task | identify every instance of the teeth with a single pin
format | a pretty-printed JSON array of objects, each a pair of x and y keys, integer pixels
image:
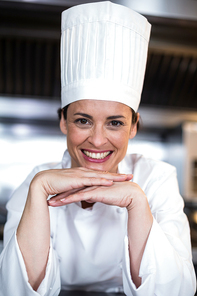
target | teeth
[{"x": 96, "y": 155}]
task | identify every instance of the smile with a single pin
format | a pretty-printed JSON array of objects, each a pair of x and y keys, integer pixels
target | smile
[{"x": 94, "y": 155}]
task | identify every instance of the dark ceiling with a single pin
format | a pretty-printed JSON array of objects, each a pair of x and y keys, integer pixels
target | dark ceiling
[{"x": 29, "y": 56}]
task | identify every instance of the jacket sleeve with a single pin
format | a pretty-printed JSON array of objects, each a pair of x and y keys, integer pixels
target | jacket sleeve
[
  {"x": 166, "y": 266},
  {"x": 13, "y": 275}
]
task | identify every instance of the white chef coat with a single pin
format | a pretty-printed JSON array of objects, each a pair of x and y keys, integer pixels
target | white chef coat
[{"x": 89, "y": 248}]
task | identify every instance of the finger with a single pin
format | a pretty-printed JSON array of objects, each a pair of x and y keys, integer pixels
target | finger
[
  {"x": 93, "y": 194},
  {"x": 63, "y": 194},
  {"x": 129, "y": 177},
  {"x": 110, "y": 176},
  {"x": 62, "y": 199},
  {"x": 103, "y": 174},
  {"x": 72, "y": 183},
  {"x": 92, "y": 181},
  {"x": 114, "y": 195},
  {"x": 106, "y": 173}
]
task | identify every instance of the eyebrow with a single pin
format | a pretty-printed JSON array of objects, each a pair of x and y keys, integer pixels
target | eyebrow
[
  {"x": 84, "y": 115},
  {"x": 90, "y": 117},
  {"x": 115, "y": 117}
]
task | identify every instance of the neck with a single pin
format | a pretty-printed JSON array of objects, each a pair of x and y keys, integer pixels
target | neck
[{"x": 85, "y": 204}]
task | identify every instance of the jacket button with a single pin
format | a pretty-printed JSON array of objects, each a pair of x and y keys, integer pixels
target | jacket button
[{"x": 120, "y": 210}]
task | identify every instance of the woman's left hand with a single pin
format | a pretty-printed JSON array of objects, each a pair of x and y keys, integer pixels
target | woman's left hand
[{"x": 118, "y": 194}]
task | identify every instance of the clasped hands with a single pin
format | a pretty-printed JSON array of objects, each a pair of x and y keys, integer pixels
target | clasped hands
[{"x": 81, "y": 184}]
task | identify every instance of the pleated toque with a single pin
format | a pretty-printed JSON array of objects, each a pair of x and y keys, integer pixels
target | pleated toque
[{"x": 103, "y": 53}]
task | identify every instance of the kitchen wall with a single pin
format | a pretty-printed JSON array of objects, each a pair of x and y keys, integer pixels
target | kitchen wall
[{"x": 30, "y": 91}]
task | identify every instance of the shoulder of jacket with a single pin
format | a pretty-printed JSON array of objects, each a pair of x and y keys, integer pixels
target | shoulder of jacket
[
  {"x": 154, "y": 164},
  {"x": 48, "y": 166},
  {"x": 140, "y": 161},
  {"x": 156, "y": 174},
  {"x": 147, "y": 170}
]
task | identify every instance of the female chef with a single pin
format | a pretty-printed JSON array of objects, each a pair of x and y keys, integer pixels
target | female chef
[{"x": 101, "y": 220}]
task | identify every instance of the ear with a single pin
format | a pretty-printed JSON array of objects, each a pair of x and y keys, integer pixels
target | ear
[
  {"x": 63, "y": 125},
  {"x": 133, "y": 130}
]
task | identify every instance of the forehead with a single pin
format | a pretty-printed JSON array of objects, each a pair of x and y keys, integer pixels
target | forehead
[{"x": 98, "y": 106}]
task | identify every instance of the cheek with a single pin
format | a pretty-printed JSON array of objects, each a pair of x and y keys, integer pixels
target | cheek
[
  {"x": 76, "y": 136},
  {"x": 120, "y": 139}
]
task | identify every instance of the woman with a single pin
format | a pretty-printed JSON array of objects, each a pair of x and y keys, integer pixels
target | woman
[{"x": 101, "y": 220}]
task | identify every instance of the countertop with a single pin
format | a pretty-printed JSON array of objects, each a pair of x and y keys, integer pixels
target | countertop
[{"x": 84, "y": 293}]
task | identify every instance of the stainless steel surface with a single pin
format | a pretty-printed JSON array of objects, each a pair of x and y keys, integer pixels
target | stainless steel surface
[
  {"x": 1, "y": 246},
  {"x": 29, "y": 108},
  {"x": 32, "y": 109},
  {"x": 184, "y": 9}
]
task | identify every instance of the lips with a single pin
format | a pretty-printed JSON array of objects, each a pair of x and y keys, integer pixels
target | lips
[{"x": 94, "y": 156}]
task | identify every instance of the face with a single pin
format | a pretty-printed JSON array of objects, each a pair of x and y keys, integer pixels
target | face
[{"x": 98, "y": 133}]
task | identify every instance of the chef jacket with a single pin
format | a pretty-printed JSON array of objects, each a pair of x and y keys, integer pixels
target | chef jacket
[{"x": 89, "y": 247}]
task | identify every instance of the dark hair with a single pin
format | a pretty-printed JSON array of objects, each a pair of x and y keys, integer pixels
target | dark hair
[{"x": 59, "y": 111}]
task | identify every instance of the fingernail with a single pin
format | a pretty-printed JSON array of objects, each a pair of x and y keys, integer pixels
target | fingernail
[{"x": 51, "y": 201}]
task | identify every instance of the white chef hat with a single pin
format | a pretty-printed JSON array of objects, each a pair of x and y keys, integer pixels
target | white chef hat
[{"x": 103, "y": 53}]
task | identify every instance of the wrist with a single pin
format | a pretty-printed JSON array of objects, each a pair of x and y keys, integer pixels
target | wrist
[
  {"x": 37, "y": 187},
  {"x": 138, "y": 202}
]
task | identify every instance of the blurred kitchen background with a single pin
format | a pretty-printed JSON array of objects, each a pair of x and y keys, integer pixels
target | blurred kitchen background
[{"x": 30, "y": 92}]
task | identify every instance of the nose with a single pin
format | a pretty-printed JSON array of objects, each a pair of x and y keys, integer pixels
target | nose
[{"x": 98, "y": 136}]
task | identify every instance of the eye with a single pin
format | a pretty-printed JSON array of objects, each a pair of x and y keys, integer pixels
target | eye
[
  {"x": 82, "y": 121},
  {"x": 116, "y": 123}
]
